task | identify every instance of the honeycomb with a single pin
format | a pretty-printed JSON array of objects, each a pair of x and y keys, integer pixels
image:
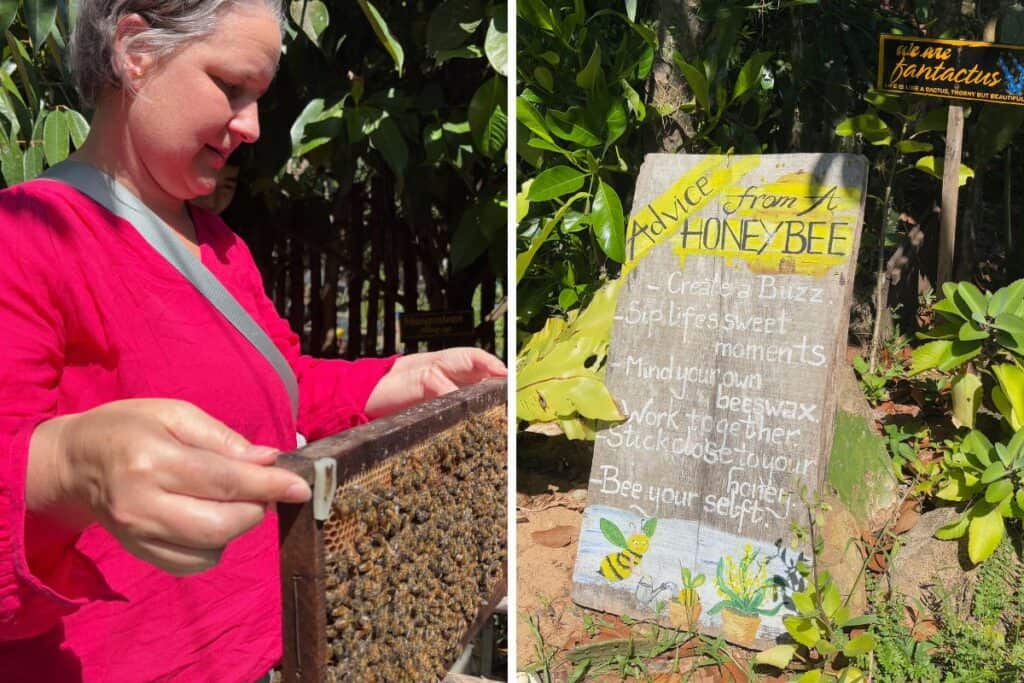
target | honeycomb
[{"x": 414, "y": 548}]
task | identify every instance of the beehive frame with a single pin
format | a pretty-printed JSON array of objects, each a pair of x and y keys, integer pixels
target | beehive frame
[{"x": 365, "y": 453}]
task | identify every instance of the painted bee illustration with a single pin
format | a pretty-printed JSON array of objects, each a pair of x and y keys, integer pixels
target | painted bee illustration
[{"x": 619, "y": 565}]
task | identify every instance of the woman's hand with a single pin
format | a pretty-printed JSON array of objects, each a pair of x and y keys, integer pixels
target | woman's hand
[
  {"x": 421, "y": 376},
  {"x": 171, "y": 483}
]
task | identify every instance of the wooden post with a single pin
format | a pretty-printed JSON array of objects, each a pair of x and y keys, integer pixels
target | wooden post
[{"x": 950, "y": 192}]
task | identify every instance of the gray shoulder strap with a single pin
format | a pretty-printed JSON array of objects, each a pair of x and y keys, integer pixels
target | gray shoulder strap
[{"x": 117, "y": 199}]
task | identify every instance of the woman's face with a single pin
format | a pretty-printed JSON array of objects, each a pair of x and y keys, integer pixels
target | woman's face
[{"x": 194, "y": 108}]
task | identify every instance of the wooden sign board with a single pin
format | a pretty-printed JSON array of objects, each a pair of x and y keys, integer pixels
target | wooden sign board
[
  {"x": 731, "y": 314},
  {"x": 951, "y": 69},
  {"x": 436, "y": 325}
]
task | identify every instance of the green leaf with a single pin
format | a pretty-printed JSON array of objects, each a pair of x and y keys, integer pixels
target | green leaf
[
  {"x": 78, "y": 127},
  {"x": 39, "y": 18},
  {"x": 966, "y": 395},
  {"x": 1011, "y": 381},
  {"x": 933, "y": 166},
  {"x": 804, "y": 630},
  {"x": 387, "y": 139},
  {"x": 528, "y": 115},
  {"x": 930, "y": 355},
  {"x": 984, "y": 535},
  {"x": 804, "y": 603},
  {"x": 579, "y": 671},
  {"x": 631, "y": 9},
  {"x": 750, "y": 74},
  {"x": 311, "y": 112},
  {"x": 948, "y": 309},
  {"x": 11, "y": 164},
  {"x": 874, "y": 129},
  {"x": 886, "y": 102},
  {"x": 860, "y": 645},
  {"x": 612, "y": 532},
  {"x": 55, "y": 137},
  {"x": 312, "y": 17},
  {"x": 380, "y": 27},
  {"x": 569, "y": 126},
  {"x": 812, "y": 676},
  {"x": 496, "y": 41},
  {"x": 996, "y": 470},
  {"x": 861, "y": 620},
  {"x": 1008, "y": 322},
  {"x": 453, "y": 24},
  {"x": 488, "y": 122},
  {"x": 697, "y": 81},
  {"x": 998, "y": 491},
  {"x": 977, "y": 445},
  {"x": 477, "y": 229},
  {"x": 953, "y": 530},
  {"x": 971, "y": 331},
  {"x": 913, "y": 146},
  {"x": 607, "y": 221},
  {"x": 974, "y": 298},
  {"x": 543, "y": 76},
  {"x": 32, "y": 161},
  {"x": 933, "y": 122},
  {"x": 556, "y": 182},
  {"x": 523, "y": 260},
  {"x": 615, "y": 121},
  {"x": 1009, "y": 299},
  {"x": 959, "y": 353},
  {"x": 779, "y": 656},
  {"x": 588, "y": 77},
  {"x": 8, "y": 10}
]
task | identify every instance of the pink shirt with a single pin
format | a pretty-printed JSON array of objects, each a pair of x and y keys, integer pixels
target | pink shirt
[{"x": 90, "y": 313}]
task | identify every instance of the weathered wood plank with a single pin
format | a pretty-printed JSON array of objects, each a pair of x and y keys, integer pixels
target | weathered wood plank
[{"x": 725, "y": 337}]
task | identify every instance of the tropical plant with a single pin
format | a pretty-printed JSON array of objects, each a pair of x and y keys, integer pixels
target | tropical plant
[
  {"x": 819, "y": 629},
  {"x": 745, "y": 585},
  {"x": 980, "y": 333},
  {"x": 581, "y": 64},
  {"x": 989, "y": 478}
]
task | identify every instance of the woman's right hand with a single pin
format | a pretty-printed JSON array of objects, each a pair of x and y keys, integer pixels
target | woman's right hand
[{"x": 171, "y": 483}]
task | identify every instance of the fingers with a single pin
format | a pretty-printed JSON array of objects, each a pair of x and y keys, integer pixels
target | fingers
[
  {"x": 193, "y": 523},
  {"x": 200, "y": 474},
  {"x": 468, "y": 365},
  {"x": 173, "y": 559},
  {"x": 435, "y": 382},
  {"x": 194, "y": 427}
]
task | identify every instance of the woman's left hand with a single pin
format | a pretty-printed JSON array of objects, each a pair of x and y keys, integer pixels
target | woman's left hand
[{"x": 421, "y": 376}]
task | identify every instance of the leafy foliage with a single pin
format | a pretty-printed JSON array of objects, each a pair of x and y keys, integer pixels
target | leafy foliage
[
  {"x": 580, "y": 64},
  {"x": 819, "y": 631}
]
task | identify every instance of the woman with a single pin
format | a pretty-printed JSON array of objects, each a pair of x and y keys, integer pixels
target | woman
[{"x": 137, "y": 427}]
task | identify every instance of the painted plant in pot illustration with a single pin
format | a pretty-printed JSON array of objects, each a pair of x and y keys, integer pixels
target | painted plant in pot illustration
[
  {"x": 745, "y": 589},
  {"x": 684, "y": 611}
]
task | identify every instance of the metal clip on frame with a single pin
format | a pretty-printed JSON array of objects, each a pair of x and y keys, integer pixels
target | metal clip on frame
[{"x": 324, "y": 486}]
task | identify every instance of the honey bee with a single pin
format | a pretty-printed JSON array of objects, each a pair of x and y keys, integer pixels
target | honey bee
[{"x": 617, "y": 566}]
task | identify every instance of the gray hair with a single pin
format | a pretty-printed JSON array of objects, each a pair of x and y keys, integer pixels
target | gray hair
[{"x": 172, "y": 25}]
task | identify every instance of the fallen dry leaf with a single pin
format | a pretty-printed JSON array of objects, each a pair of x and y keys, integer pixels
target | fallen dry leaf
[
  {"x": 555, "y": 537},
  {"x": 907, "y": 519}
]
